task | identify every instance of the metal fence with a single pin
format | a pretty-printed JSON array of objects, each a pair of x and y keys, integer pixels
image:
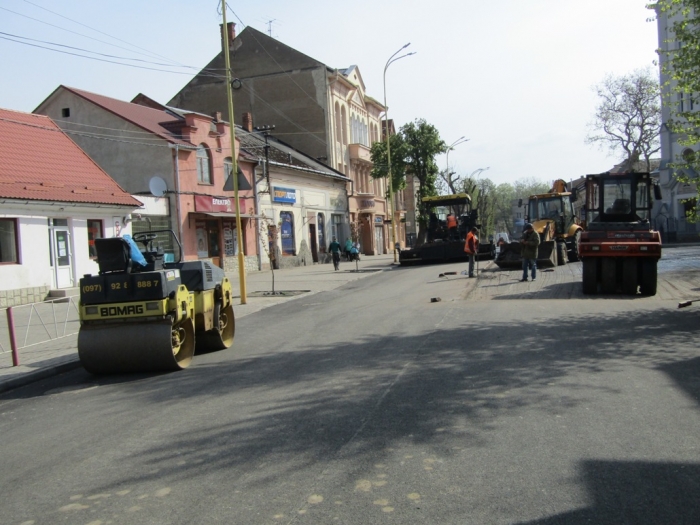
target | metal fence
[
  {"x": 35, "y": 324},
  {"x": 674, "y": 230}
]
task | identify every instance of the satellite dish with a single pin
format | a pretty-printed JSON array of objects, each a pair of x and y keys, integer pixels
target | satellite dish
[{"x": 157, "y": 186}]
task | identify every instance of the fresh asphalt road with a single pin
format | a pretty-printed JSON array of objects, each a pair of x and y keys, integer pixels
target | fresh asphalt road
[{"x": 369, "y": 404}]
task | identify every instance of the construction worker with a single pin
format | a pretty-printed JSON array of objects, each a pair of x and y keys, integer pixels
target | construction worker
[
  {"x": 452, "y": 233},
  {"x": 471, "y": 248}
]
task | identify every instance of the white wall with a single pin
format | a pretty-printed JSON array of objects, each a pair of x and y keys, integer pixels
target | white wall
[{"x": 33, "y": 239}]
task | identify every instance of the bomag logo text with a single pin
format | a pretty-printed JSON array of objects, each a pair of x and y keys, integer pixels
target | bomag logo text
[{"x": 112, "y": 311}]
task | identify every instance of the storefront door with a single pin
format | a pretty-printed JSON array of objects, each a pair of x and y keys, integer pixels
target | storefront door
[
  {"x": 61, "y": 257},
  {"x": 379, "y": 239}
]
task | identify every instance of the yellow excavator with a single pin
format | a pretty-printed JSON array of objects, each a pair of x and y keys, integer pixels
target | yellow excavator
[
  {"x": 552, "y": 216},
  {"x": 142, "y": 314}
]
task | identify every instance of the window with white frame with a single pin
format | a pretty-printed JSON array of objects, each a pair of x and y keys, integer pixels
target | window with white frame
[{"x": 203, "y": 165}]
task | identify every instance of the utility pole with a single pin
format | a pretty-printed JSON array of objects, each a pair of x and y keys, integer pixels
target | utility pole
[{"x": 234, "y": 160}]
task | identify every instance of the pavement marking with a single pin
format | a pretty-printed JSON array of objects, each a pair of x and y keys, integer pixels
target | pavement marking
[
  {"x": 315, "y": 499},
  {"x": 381, "y": 502},
  {"x": 363, "y": 485},
  {"x": 163, "y": 492},
  {"x": 98, "y": 496},
  {"x": 388, "y": 509},
  {"x": 413, "y": 496},
  {"x": 73, "y": 506}
]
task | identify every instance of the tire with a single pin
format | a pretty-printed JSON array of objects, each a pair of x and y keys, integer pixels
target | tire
[
  {"x": 608, "y": 275},
  {"x": 573, "y": 253},
  {"x": 590, "y": 276},
  {"x": 630, "y": 276},
  {"x": 561, "y": 253},
  {"x": 648, "y": 278}
]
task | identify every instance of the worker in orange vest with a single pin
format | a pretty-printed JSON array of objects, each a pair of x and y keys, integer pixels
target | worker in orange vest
[
  {"x": 471, "y": 248},
  {"x": 452, "y": 233}
]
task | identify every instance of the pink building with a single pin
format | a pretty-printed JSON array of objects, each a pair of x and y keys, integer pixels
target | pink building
[{"x": 176, "y": 161}]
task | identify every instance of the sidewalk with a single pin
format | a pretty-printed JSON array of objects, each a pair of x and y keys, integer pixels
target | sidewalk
[{"x": 60, "y": 355}]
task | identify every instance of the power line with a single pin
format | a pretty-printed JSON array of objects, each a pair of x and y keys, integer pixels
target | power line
[
  {"x": 93, "y": 52},
  {"x": 103, "y": 33}
]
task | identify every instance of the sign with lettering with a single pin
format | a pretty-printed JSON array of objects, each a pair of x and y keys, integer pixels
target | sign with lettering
[
  {"x": 367, "y": 203},
  {"x": 207, "y": 203},
  {"x": 287, "y": 195}
]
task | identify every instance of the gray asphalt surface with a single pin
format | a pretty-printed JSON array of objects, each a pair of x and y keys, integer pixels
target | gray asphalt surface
[{"x": 369, "y": 404}]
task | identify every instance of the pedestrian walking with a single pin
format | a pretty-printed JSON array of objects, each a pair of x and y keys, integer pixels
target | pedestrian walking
[
  {"x": 471, "y": 248},
  {"x": 334, "y": 248},
  {"x": 530, "y": 242},
  {"x": 348, "y": 249}
]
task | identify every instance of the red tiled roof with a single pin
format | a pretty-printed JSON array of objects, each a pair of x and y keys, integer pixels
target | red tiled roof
[
  {"x": 40, "y": 162},
  {"x": 157, "y": 121}
]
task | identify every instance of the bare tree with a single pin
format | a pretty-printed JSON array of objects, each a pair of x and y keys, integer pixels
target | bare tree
[{"x": 628, "y": 115}]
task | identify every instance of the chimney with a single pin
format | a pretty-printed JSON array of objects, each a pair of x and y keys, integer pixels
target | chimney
[
  {"x": 216, "y": 116},
  {"x": 231, "y": 27},
  {"x": 248, "y": 122}
]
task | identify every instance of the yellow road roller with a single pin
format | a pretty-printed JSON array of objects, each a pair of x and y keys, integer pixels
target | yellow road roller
[{"x": 147, "y": 310}]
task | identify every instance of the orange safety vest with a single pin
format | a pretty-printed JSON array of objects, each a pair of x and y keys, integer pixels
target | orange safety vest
[
  {"x": 451, "y": 221},
  {"x": 471, "y": 244}
]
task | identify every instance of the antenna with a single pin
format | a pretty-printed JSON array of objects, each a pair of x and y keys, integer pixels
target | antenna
[
  {"x": 157, "y": 186},
  {"x": 269, "y": 26}
]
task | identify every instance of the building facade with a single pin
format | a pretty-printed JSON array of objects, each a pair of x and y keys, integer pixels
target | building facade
[
  {"x": 179, "y": 161},
  {"x": 321, "y": 111},
  {"x": 302, "y": 203},
  {"x": 677, "y": 197}
]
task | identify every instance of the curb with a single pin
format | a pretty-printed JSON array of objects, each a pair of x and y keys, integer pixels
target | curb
[{"x": 37, "y": 375}]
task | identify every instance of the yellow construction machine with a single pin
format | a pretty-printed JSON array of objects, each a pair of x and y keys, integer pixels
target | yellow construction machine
[
  {"x": 552, "y": 216},
  {"x": 142, "y": 314}
]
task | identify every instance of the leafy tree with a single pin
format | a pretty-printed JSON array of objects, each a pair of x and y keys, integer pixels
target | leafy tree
[
  {"x": 680, "y": 64},
  {"x": 413, "y": 151},
  {"x": 628, "y": 115},
  {"x": 398, "y": 161},
  {"x": 423, "y": 143}
]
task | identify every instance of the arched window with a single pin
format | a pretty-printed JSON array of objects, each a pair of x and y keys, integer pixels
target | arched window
[
  {"x": 203, "y": 165},
  {"x": 338, "y": 133},
  {"x": 344, "y": 122}
]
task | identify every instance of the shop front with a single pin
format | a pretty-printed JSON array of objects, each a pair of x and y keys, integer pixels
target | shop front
[{"x": 213, "y": 234}]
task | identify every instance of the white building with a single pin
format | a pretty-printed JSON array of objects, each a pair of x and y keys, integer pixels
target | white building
[
  {"x": 676, "y": 196},
  {"x": 54, "y": 202}
]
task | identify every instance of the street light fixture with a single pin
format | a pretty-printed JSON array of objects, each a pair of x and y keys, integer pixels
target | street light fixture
[
  {"x": 478, "y": 172},
  {"x": 393, "y": 58},
  {"x": 460, "y": 140}
]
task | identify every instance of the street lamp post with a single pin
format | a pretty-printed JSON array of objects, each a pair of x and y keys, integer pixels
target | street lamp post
[
  {"x": 460, "y": 140},
  {"x": 392, "y": 58}
]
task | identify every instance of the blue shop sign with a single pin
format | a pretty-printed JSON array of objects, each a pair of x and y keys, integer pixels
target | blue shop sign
[{"x": 284, "y": 195}]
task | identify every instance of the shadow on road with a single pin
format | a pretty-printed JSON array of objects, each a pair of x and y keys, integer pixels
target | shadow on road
[
  {"x": 643, "y": 493},
  {"x": 353, "y": 400}
]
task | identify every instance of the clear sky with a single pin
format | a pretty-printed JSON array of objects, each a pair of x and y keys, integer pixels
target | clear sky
[{"x": 512, "y": 76}]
